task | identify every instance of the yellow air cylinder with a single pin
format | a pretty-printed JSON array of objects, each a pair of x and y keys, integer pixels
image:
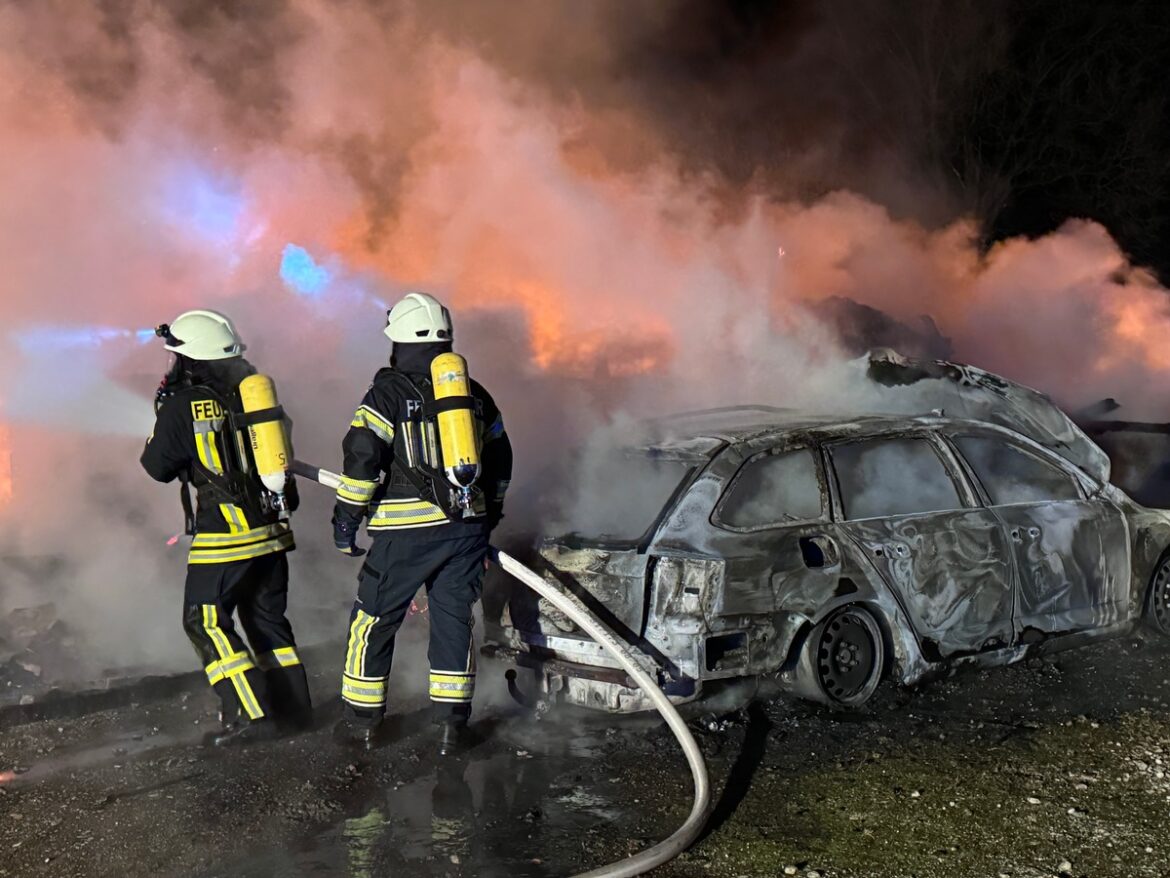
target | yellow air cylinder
[
  {"x": 458, "y": 439},
  {"x": 270, "y": 446}
]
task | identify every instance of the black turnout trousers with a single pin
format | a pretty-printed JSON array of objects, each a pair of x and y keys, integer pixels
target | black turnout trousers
[
  {"x": 268, "y": 680},
  {"x": 399, "y": 565}
]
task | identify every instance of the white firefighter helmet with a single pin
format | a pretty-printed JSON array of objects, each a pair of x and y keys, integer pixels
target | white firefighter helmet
[
  {"x": 418, "y": 318},
  {"x": 204, "y": 335}
]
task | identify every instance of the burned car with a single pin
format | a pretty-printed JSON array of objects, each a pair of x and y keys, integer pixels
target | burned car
[{"x": 829, "y": 553}]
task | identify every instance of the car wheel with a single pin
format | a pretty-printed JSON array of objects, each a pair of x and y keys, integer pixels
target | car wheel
[
  {"x": 849, "y": 656},
  {"x": 1158, "y": 598}
]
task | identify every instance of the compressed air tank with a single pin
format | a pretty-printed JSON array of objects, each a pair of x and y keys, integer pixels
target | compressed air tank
[
  {"x": 267, "y": 436},
  {"x": 458, "y": 439}
]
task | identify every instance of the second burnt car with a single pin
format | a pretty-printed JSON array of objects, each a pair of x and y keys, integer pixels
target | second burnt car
[{"x": 829, "y": 553}]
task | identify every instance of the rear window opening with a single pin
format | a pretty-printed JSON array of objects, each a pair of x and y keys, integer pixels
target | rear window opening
[{"x": 619, "y": 496}]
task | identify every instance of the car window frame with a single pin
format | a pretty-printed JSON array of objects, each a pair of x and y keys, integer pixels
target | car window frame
[
  {"x": 775, "y": 451},
  {"x": 1084, "y": 485},
  {"x": 954, "y": 467}
]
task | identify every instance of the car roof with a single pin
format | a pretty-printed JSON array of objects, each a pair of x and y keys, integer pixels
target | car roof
[{"x": 755, "y": 424}]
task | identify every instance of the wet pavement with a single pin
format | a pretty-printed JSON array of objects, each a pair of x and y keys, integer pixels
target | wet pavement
[{"x": 1018, "y": 771}]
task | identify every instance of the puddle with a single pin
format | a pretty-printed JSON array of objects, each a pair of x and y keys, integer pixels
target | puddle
[{"x": 503, "y": 814}]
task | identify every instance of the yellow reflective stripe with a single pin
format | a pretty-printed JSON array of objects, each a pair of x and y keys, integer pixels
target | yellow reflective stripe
[
  {"x": 359, "y": 639},
  {"x": 234, "y": 516},
  {"x": 208, "y": 452},
  {"x": 243, "y": 688},
  {"x": 224, "y": 541},
  {"x": 451, "y": 676},
  {"x": 364, "y": 646},
  {"x": 404, "y": 525},
  {"x": 218, "y": 638},
  {"x": 400, "y": 513},
  {"x": 451, "y": 686},
  {"x": 362, "y": 700},
  {"x": 199, "y": 555},
  {"x": 374, "y": 422},
  {"x": 352, "y": 639},
  {"x": 215, "y": 459},
  {"x": 356, "y": 491},
  {"x": 363, "y": 691},
  {"x": 214, "y": 674},
  {"x": 451, "y": 692},
  {"x": 236, "y": 663},
  {"x": 285, "y": 657}
]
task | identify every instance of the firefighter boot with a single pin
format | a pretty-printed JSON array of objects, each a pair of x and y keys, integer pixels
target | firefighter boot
[
  {"x": 451, "y": 737},
  {"x": 363, "y": 736},
  {"x": 241, "y": 731}
]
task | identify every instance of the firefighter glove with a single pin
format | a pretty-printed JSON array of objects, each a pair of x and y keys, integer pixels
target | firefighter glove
[{"x": 345, "y": 536}]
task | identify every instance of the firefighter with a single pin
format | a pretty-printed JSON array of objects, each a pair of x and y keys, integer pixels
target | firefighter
[
  {"x": 428, "y": 529},
  {"x": 241, "y": 536}
]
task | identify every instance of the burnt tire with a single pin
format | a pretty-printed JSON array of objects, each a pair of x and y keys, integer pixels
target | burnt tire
[
  {"x": 847, "y": 657},
  {"x": 1157, "y": 608}
]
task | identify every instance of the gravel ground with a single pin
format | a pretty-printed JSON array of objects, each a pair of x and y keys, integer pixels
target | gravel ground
[{"x": 1053, "y": 769}]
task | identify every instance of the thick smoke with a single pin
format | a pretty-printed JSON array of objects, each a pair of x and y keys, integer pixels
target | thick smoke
[{"x": 622, "y": 226}]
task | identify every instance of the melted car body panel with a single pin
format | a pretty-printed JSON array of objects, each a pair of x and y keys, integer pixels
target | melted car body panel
[{"x": 953, "y": 571}]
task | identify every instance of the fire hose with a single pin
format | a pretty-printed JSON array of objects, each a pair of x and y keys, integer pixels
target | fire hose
[{"x": 572, "y": 607}]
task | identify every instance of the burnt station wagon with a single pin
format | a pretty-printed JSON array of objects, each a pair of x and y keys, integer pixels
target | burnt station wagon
[{"x": 830, "y": 553}]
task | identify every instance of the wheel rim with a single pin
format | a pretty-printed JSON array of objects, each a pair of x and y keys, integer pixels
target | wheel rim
[
  {"x": 1160, "y": 597},
  {"x": 848, "y": 656}
]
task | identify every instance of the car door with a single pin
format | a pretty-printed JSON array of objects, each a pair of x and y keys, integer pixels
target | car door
[
  {"x": 903, "y": 500},
  {"x": 785, "y": 557},
  {"x": 1071, "y": 550}
]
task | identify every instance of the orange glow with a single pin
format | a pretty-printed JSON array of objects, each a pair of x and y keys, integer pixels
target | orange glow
[{"x": 1140, "y": 326}]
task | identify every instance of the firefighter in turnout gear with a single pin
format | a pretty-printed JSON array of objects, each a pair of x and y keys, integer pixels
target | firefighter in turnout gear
[
  {"x": 210, "y": 435},
  {"x": 428, "y": 462}
]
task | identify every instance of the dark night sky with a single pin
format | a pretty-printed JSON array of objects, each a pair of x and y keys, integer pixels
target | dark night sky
[{"x": 1024, "y": 113}]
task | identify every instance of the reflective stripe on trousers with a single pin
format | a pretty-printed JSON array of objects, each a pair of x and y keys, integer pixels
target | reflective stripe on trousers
[
  {"x": 285, "y": 657},
  {"x": 238, "y": 679},
  {"x": 457, "y": 686}
]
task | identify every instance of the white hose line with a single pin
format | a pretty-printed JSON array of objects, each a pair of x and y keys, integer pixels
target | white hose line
[{"x": 572, "y": 607}]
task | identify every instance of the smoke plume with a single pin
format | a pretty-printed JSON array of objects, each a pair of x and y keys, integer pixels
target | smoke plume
[{"x": 630, "y": 209}]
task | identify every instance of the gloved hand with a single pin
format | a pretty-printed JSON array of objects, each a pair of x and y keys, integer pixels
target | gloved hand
[
  {"x": 292, "y": 496},
  {"x": 345, "y": 535}
]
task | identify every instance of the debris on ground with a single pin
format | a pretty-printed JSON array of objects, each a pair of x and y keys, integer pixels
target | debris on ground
[{"x": 37, "y": 649}]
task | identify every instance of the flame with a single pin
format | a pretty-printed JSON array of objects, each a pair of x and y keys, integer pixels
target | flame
[{"x": 7, "y": 777}]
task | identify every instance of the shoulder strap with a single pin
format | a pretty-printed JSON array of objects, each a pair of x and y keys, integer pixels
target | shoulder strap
[
  {"x": 188, "y": 509},
  {"x": 227, "y": 486}
]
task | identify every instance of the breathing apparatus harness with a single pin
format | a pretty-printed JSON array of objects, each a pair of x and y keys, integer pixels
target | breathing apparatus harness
[
  {"x": 244, "y": 482},
  {"x": 440, "y": 465}
]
